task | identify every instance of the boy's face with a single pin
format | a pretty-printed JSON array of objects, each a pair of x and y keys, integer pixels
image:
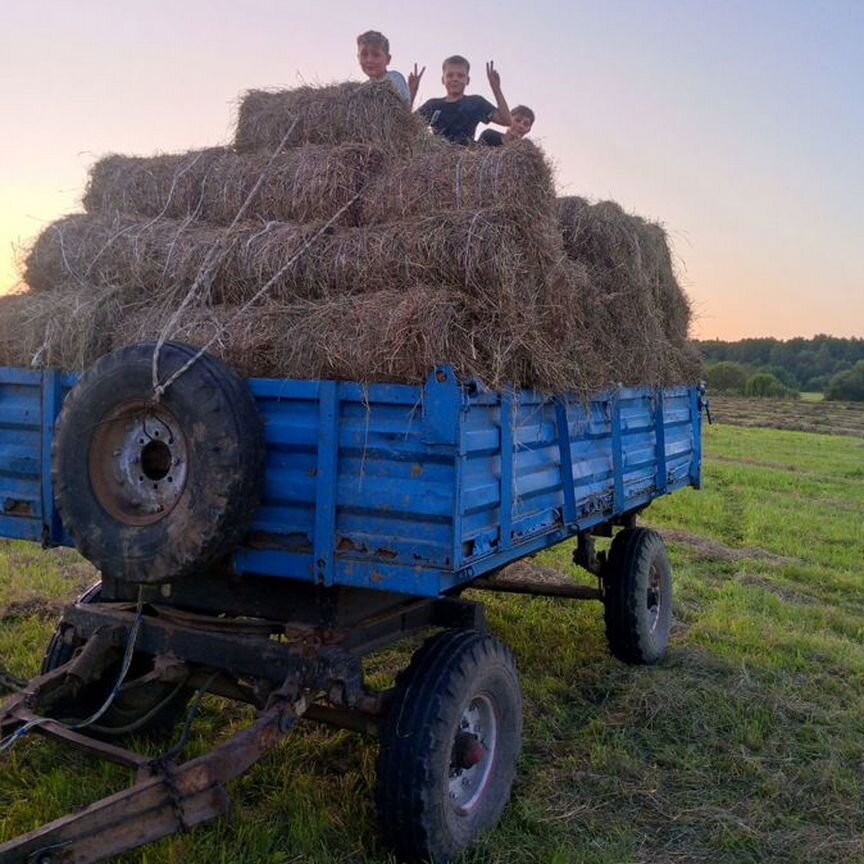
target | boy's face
[
  {"x": 455, "y": 79},
  {"x": 373, "y": 61},
  {"x": 520, "y": 125}
]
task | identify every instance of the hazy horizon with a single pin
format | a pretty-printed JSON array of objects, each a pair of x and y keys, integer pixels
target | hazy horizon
[{"x": 738, "y": 127}]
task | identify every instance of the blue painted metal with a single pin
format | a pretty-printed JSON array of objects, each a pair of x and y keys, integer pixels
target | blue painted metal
[
  {"x": 505, "y": 531},
  {"x": 410, "y": 489},
  {"x": 617, "y": 456},
  {"x": 326, "y": 483},
  {"x": 696, "y": 415},
  {"x": 565, "y": 457},
  {"x": 660, "y": 443},
  {"x": 52, "y": 399},
  {"x": 21, "y": 456}
]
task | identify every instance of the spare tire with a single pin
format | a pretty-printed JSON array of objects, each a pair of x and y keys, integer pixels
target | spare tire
[{"x": 152, "y": 490}]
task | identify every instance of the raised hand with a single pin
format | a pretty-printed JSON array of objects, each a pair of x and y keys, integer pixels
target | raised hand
[
  {"x": 493, "y": 76},
  {"x": 414, "y": 81}
]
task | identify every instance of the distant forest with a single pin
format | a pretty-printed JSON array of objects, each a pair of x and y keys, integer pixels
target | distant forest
[{"x": 800, "y": 364}]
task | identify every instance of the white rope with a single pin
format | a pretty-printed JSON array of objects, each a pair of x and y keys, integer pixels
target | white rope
[
  {"x": 159, "y": 389},
  {"x": 9, "y": 742},
  {"x": 212, "y": 262}
]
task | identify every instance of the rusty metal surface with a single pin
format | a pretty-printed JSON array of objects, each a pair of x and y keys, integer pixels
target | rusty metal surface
[
  {"x": 248, "y": 659},
  {"x": 138, "y": 462},
  {"x": 52, "y": 729},
  {"x": 539, "y": 588},
  {"x": 174, "y": 798}
]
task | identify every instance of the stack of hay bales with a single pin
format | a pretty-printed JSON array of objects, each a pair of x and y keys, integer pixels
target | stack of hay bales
[{"x": 429, "y": 254}]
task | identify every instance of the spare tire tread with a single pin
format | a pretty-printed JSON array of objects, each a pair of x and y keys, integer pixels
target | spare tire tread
[{"x": 219, "y": 418}]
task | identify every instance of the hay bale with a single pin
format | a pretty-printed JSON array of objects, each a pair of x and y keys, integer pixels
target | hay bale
[
  {"x": 387, "y": 336},
  {"x": 446, "y": 177},
  {"x": 382, "y": 336},
  {"x": 395, "y": 336},
  {"x": 140, "y": 259},
  {"x": 485, "y": 253},
  {"x": 642, "y": 315},
  {"x": 67, "y": 330},
  {"x": 506, "y": 304},
  {"x": 245, "y": 339},
  {"x": 304, "y": 184},
  {"x": 369, "y": 113}
]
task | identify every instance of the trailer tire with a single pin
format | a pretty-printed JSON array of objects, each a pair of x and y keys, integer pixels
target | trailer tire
[
  {"x": 130, "y": 709},
  {"x": 637, "y": 587},
  {"x": 156, "y": 489},
  {"x": 440, "y": 785}
]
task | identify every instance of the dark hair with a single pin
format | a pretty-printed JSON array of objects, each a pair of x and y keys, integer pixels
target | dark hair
[
  {"x": 375, "y": 39},
  {"x": 456, "y": 60},
  {"x": 524, "y": 110}
]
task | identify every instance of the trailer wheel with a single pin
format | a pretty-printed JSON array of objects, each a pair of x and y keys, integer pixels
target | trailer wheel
[
  {"x": 637, "y": 587},
  {"x": 153, "y": 708},
  {"x": 449, "y": 746},
  {"x": 152, "y": 490}
]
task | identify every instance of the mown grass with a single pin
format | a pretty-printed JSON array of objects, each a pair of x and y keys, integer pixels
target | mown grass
[
  {"x": 745, "y": 745},
  {"x": 800, "y": 415}
]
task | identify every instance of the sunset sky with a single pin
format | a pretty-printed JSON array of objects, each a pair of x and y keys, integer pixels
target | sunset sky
[{"x": 738, "y": 125}]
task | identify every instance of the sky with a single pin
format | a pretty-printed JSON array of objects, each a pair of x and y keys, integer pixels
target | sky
[{"x": 737, "y": 125}]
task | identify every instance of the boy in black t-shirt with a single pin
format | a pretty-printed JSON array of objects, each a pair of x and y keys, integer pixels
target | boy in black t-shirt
[
  {"x": 456, "y": 116},
  {"x": 522, "y": 119}
]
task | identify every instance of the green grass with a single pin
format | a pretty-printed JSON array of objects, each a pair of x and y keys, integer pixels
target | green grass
[
  {"x": 812, "y": 397},
  {"x": 745, "y": 745}
]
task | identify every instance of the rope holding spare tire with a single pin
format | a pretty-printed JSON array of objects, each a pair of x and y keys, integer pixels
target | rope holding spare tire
[
  {"x": 159, "y": 389},
  {"x": 152, "y": 491}
]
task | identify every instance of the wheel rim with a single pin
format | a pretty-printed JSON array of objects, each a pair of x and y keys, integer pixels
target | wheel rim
[
  {"x": 473, "y": 754},
  {"x": 654, "y": 597},
  {"x": 138, "y": 463}
]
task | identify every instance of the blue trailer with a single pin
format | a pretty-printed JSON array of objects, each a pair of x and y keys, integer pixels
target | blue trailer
[{"x": 256, "y": 539}]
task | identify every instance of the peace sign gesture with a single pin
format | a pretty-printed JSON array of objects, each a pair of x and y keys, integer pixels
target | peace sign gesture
[
  {"x": 414, "y": 82},
  {"x": 493, "y": 76}
]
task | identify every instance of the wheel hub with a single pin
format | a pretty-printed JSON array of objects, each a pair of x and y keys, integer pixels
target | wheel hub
[
  {"x": 468, "y": 750},
  {"x": 473, "y": 753},
  {"x": 138, "y": 463}
]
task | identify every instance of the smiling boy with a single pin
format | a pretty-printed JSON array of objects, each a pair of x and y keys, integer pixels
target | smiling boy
[
  {"x": 373, "y": 54},
  {"x": 522, "y": 119},
  {"x": 455, "y": 117}
]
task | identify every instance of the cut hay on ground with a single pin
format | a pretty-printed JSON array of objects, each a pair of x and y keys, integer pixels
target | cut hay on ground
[
  {"x": 303, "y": 184},
  {"x": 368, "y": 113},
  {"x": 444, "y": 177},
  {"x": 485, "y": 253}
]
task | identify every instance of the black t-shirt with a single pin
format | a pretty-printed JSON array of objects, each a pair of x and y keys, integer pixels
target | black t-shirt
[
  {"x": 492, "y": 138},
  {"x": 457, "y": 121}
]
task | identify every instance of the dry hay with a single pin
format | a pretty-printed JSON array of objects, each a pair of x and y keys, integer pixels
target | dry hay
[
  {"x": 519, "y": 311},
  {"x": 524, "y": 312},
  {"x": 458, "y": 257},
  {"x": 640, "y": 305},
  {"x": 313, "y": 182},
  {"x": 66, "y": 330},
  {"x": 387, "y": 335},
  {"x": 506, "y": 305},
  {"x": 484, "y": 253},
  {"x": 446, "y": 177},
  {"x": 303, "y": 184},
  {"x": 369, "y": 113}
]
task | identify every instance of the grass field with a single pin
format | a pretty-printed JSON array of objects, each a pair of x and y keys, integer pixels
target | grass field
[{"x": 745, "y": 745}]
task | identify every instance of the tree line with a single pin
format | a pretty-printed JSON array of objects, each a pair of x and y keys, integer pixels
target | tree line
[{"x": 826, "y": 364}]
